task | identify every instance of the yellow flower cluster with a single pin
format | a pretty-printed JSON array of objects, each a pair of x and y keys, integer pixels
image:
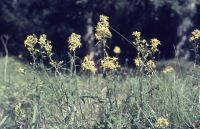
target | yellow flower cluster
[
  {"x": 88, "y": 64},
  {"x": 30, "y": 43},
  {"x": 195, "y": 35},
  {"x": 138, "y": 62},
  {"x": 141, "y": 44},
  {"x": 45, "y": 44},
  {"x": 154, "y": 44},
  {"x": 42, "y": 40},
  {"x": 151, "y": 64},
  {"x": 18, "y": 109},
  {"x": 39, "y": 46},
  {"x": 168, "y": 69},
  {"x": 74, "y": 41},
  {"x": 21, "y": 70},
  {"x": 137, "y": 35},
  {"x": 117, "y": 50},
  {"x": 110, "y": 63},
  {"x": 146, "y": 51},
  {"x": 102, "y": 29},
  {"x": 162, "y": 122}
]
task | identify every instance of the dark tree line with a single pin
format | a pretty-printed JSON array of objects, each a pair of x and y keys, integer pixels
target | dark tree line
[{"x": 168, "y": 20}]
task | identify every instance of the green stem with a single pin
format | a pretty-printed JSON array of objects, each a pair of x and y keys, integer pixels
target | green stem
[
  {"x": 141, "y": 96},
  {"x": 196, "y": 47},
  {"x": 123, "y": 37},
  {"x": 35, "y": 110},
  {"x": 74, "y": 61},
  {"x": 71, "y": 66},
  {"x": 2, "y": 122},
  {"x": 105, "y": 54},
  {"x": 34, "y": 59},
  {"x": 104, "y": 48}
]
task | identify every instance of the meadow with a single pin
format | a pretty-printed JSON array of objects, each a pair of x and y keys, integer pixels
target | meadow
[
  {"x": 38, "y": 99},
  {"x": 153, "y": 95}
]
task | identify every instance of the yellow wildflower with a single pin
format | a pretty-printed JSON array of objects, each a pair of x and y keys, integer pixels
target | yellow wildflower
[
  {"x": 102, "y": 29},
  {"x": 103, "y": 18},
  {"x": 151, "y": 64},
  {"x": 30, "y": 40},
  {"x": 117, "y": 50},
  {"x": 162, "y": 122},
  {"x": 88, "y": 64},
  {"x": 168, "y": 69},
  {"x": 48, "y": 48},
  {"x": 138, "y": 62},
  {"x": 145, "y": 53},
  {"x": 110, "y": 63},
  {"x": 154, "y": 43},
  {"x": 18, "y": 109},
  {"x": 74, "y": 42},
  {"x": 45, "y": 44},
  {"x": 30, "y": 43},
  {"x": 195, "y": 35},
  {"x": 42, "y": 40},
  {"x": 137, "y": 35},
  {"x": 21, "y": 70}
]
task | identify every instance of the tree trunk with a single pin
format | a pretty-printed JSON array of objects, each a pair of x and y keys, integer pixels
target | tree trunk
[
  {"x": 89, "y": 36},
  {"x": 93, "y": 50},
  {"x": 183, "y": 29}
]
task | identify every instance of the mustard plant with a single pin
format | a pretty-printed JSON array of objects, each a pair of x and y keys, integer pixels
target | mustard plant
[
  {"x": 146, "y": 52},
  {"x": 74, "y": 43},
  {"x": 30, "y": 43},
  {"x": 88, "y": 64},
  {"x": 102, "y": 34},
  {"x": 110, "y": 63},
  {"x": 41, "y": 47},
  {"x": 46, "y": 52},
  {"x": 146, "y": 63},
  {"x": 102, "y": 29},
  {"x": 194, "y": 39},
  {"x": 162, "y": 122}
]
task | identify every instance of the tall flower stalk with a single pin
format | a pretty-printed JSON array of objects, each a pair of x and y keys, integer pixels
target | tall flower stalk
[
  {"x": 145, "y": 61},
  {"x": 30, "y": 43},
  {"x": 195, "y": 40},
  {"x": 146, "y": 52},
  {"x": 74, "y": 43},
  {"x": 89, "y": 65},
  {"x": 41, "y": 47},
  {"x": 102, "y": 34}
]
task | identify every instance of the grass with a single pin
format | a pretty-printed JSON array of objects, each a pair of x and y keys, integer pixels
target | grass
[{"x": 84, "y": 101}]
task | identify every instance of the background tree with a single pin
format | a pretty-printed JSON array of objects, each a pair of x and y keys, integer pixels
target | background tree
[{"x": 169, "y": 20}]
